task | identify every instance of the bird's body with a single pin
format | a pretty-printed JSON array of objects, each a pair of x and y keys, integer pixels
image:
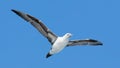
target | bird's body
[{"x": 58, "y": 43}]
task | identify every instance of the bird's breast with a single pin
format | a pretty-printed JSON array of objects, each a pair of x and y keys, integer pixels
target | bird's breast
[{"x": 59, "y": 45}]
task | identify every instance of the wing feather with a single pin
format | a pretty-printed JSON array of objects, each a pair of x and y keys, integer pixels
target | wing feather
[
  {"x": 38, "y": 25},
  {"x": 84, "y": 42}
]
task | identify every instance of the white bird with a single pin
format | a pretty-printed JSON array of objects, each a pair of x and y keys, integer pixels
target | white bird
[{"x": 58, "y": 43}]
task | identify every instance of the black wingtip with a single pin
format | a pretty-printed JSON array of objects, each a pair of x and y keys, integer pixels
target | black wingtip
[
  {"x": 101, "y": 44},
  {"x": 98, "y": 42},
  {"x": 48, "y": 55},
  {"x": 14, "y": 11}
]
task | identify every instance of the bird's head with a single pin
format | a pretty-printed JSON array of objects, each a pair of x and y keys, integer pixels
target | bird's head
[{"x": 68, "y": 35}]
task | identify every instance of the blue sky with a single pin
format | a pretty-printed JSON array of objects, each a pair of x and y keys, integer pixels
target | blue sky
[{"x": 22, "y": 46}]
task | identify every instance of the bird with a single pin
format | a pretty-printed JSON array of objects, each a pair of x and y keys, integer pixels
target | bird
[{"x": 58, "y": 42}]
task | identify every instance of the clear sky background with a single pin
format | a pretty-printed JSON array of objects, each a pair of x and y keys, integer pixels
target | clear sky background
[{"x": 22, "y": 46}]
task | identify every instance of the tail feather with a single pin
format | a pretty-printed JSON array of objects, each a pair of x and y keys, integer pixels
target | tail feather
[{"x": 48, "y": 55}]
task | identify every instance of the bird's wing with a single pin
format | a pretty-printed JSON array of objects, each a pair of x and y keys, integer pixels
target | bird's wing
[
  {"x": 38, "y": 25},
  {"x": 84, "y": 42}
]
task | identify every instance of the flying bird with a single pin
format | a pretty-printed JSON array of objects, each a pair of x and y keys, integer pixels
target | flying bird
[{"x": 58, "y": 43}]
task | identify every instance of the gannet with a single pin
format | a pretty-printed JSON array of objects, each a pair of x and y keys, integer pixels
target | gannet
[{"x": 58, "y": 43}]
